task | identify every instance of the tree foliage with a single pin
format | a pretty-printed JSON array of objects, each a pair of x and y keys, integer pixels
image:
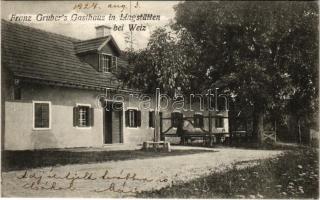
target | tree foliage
[
  {"x": 264, "y": 53},
  {"x": 166, "y": 63}
]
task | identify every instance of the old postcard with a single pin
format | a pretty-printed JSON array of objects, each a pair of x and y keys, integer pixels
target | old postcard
[{"x": 160, "y": 99}]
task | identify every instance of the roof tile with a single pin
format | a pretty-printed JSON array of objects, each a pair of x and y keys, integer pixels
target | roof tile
[{"x": 37, "y": 54}]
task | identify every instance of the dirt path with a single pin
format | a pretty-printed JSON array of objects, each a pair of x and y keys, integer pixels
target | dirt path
[{"x": 122, "y": 178}]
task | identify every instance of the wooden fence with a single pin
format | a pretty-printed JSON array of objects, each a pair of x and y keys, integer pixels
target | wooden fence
[{"x": 177, "y": 121}]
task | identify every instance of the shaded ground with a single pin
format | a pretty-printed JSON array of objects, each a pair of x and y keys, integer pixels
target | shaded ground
[
  {"x": 292, "y": 175},
  {"x": 18, "y": 160},
  {"x": 125, "y": 178}
]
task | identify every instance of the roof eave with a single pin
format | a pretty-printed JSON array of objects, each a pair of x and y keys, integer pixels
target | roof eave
[{"x": 107, "y": 41}]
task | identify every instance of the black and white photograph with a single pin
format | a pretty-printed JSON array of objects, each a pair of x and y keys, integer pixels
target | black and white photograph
[{"x": 160, "y": 99}]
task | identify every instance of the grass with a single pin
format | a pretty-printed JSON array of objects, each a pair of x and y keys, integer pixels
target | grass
[
  {"x": 21, "y": 160},
  {"x": 292, "y": 175}
]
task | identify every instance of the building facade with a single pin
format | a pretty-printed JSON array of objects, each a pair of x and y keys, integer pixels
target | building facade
[{"x": 54, "y": 89}]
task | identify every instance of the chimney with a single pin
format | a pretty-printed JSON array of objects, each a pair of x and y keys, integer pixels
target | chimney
[{"x": 102, "y": 31}]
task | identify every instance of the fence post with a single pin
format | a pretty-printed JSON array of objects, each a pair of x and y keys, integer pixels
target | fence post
[
  {"x": 156, "y": 113},
  {"x": 299, "y": 131},
  {"x": 161, "y": 131},
  {"x": 210, "y": 131},
  {"x": 275, "y": 131},
  {"x": 247, "y": 137}
]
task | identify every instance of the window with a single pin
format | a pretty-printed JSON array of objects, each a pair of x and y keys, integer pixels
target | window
[
  {"x": 114, "y": 62},
  {"x": 107, "y": 62},
  {"x": 41, "y": 115},
  {"x": 219, "y": 122},
  {"x": 222, "y": 104},
  {"x": 198, "y": 120},
  {"x": 151, "y": 118},
  {"x": 82, "y": 116},
  {"x": 133, "y": 118},
  {"x": 176, "y": 119}
]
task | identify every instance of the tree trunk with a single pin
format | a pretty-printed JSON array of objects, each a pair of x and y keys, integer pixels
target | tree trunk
[
  {"x": 299, "y": 131},
  {"x": 258, "y": 126}
]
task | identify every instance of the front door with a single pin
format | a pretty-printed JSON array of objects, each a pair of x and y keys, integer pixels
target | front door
[{"x": 113, "y": 123}]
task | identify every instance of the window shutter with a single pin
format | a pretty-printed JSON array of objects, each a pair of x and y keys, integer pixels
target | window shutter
[
  {"x": 221, "y": 122},
  {"x": 201, "y": 121},
  {"x": 113, "y": 62},
  {"x": 91, "y": 116},
  {"x": 127, "y": 118},
  {"x": 180, "y": 118},
  {"x": 195, "y": 121},
  {"x": 75, "y": 116},
  {"x": 198, "y": 121},
  {"x": 116, "y": 63},
  {"x": 138, "y": 118},
  {"x": 173, "y": 119},
  {"x": 99, "y": 63},
  {"x": 176, "y": 119},
  {"x": 151, "y": 118}
]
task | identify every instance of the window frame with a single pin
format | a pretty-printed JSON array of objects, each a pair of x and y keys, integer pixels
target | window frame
[
  {"x": 114, "y": 61},
  {"x": 33, "y": 116},
  {"x": 84, "y": 105},
  {"x": 134, "y": 120},
  {"x": 138, "y": 119},
  {"x": 219, "y": 118},
  {"x": 110, "y": 62},
  {"x": 194, "y": 120},
  {"x": 173, "y": 120}
]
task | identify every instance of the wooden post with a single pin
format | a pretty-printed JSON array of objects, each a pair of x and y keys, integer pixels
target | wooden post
[
  {"x": 216, "y": 99},
  {"x": 156, "y": 113},
  {"x": 246, "y": 127},
  {"x": 275, "y": 131},
  {"x": 161, "y": 127},
  {"x": 261, "y": 129},
  {"x": 210, "y": 131},
  {"x": 299, "y": 129}
]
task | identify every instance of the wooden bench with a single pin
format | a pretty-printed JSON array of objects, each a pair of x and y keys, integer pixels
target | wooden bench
[
  {"x": 208, "y": 139},
  {"x": 157, "y": 145}
]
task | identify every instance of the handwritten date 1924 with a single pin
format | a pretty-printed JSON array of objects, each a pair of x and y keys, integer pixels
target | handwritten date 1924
[
  {"x": 93, "y": 6},
  {"x": 85, "y": 6}
]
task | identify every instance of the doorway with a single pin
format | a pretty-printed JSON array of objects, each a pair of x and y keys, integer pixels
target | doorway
[{"x": 113, "y": 131}]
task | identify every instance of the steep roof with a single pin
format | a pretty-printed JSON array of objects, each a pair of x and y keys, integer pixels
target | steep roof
[
  {"x": 36, "y": 54},
  {"x": 90, "y": 45},
  {"x": 95, "y": 44}
]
